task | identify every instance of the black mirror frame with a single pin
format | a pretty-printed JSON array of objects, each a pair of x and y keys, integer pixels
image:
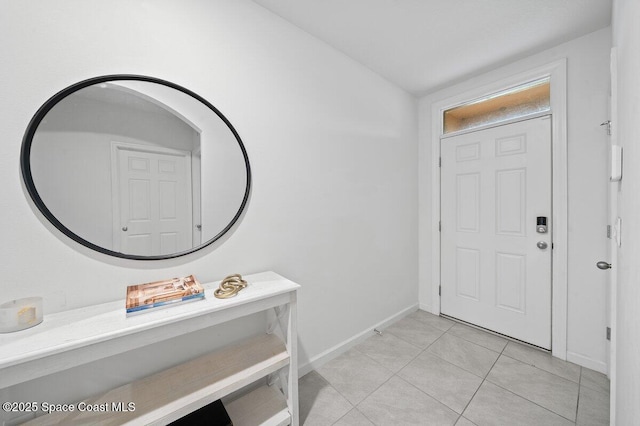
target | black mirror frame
[{"x": 25, "y": 154}]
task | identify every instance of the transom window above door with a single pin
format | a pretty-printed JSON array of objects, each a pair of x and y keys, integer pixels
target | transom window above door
[{"x": 513, "y": 103}]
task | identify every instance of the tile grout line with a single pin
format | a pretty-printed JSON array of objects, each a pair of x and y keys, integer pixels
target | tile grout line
[
  {"x": 432, "y": 397},
  {"x": 339, "y": 393},
  {"x": 546, "y": 371},
  {"x": 527, "y": 399},
  {"x": 481, "y": 383},
  {"x": 578, "y": 400},
  {"x": 371, "y": 393},
  {"x": 525, "y": 363},
  {"x": 422, "y": 350},
  {"x": 365, "y": 416},
  {"x": 355, "y": 406},
  {"x": 422, "y": 324},
  {"x": 342, "y": 395},
  {"x": 517, "y": 342},
  {"x": 462, "y": 368},
  {"x": 532, "y": 402},
  {"x": 395, "y": 374},
  {"x": 365, "y": 354},
  {"x": 345, "y": 414}
]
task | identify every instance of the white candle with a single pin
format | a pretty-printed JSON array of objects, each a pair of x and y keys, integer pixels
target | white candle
[{"x": 20, "y": 314}]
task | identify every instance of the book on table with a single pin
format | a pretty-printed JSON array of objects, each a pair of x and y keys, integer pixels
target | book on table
[{"x": 157, "y": 294}]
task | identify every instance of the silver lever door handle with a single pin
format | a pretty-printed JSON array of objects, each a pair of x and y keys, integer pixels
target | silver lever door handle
[
  {"x": 603, "y": 265},
  {"x": 542, "y": 245}
]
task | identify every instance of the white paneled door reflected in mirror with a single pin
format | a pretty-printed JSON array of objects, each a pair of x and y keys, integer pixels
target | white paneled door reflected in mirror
[{"x": 135, "y": 167}]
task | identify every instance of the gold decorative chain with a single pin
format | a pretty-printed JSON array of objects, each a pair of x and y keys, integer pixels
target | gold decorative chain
[{"x": 230, "y": 286}]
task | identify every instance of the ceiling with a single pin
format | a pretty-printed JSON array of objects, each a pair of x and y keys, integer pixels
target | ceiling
[{"x": 424, "y": 45}]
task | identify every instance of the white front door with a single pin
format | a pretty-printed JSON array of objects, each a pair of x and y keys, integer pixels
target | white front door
[
  {"x": 152, "y": 203},
  {"x": 496, "y": 267}
]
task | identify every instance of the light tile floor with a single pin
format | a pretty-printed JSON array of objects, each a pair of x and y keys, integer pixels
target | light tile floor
[{"x": 426, "y": 370}]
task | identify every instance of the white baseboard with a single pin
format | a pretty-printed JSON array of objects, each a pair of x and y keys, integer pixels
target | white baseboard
[
  {"x": 341, "y": 348},
  {"x": 599, "y": 366},
  {"x": 426, "y": 308}
]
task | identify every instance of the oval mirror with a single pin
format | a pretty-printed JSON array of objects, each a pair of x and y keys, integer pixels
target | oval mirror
[{"x": 135, "y": 167}]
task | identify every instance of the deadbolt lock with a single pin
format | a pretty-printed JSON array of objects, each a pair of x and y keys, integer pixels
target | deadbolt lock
[{"x": 541, "y": 224}]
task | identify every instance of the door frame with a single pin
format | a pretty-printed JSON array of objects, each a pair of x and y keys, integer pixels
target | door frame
[
  {"x": 614, "y": 189},
  {"x": 117, "y": 146},
  {"x": 557, "y": 71},
  {"x": 196, "y": 195}
]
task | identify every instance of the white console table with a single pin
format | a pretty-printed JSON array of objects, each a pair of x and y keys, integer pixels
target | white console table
[{"x": 68, "y": 339}]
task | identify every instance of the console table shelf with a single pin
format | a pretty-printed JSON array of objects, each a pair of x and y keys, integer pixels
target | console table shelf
[
  {"x": 76, "y": 337},
  {"x": 264, "y": 406}
]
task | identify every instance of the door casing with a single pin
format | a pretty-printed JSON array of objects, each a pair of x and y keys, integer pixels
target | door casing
[
  {"x": 614, "y": 189},
  {"x": 557, "y": 71}
]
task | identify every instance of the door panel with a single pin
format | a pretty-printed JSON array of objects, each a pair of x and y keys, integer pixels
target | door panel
[
  {"x": 510, "y": 281},
  {"x": 510, "y": 202},
  {"x": 468, "y": 273},
  {"x": 468, "y": 202},
  {"x": 495, "y": 183}
]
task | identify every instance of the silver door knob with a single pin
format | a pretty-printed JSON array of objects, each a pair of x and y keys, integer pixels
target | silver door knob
[
  {"x": 125, "y": 229},
  {"x": 603, "y": 265},
  {"x": 542, "y": 245}
]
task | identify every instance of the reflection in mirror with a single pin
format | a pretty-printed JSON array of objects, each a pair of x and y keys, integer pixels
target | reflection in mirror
[{"x": 135, "y": 168}]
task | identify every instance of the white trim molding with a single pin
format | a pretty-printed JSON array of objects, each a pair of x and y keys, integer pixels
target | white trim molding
[
  {"x": 587, "y": 362},
  {"x": 337, "y": 350},
  {"x": 557, "y": 71}
]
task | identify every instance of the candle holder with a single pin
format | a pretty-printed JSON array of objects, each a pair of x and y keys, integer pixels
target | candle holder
[{"x": 19, "y": 314}]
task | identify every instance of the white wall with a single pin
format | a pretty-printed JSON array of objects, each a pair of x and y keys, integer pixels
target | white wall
[
  {"x": 588, "y": 90},
  {"x": 332, "y": 149},
  {"x": 626, "y": 383}
]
